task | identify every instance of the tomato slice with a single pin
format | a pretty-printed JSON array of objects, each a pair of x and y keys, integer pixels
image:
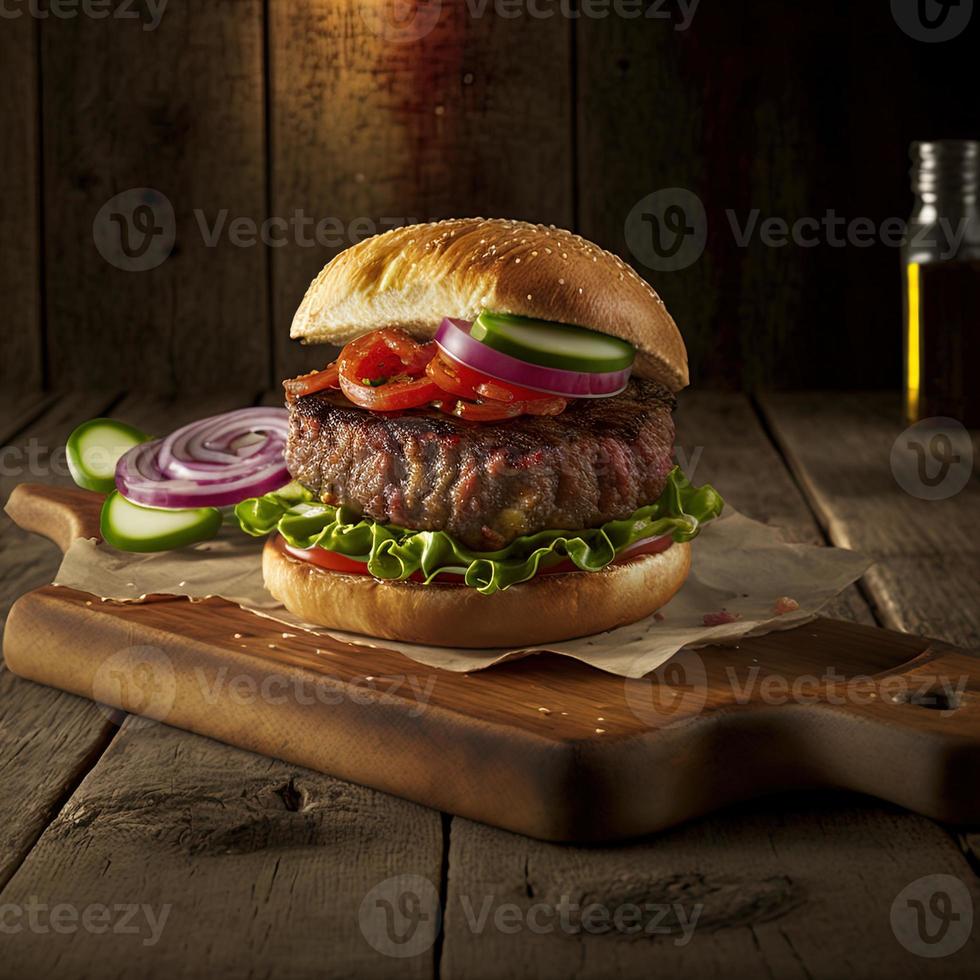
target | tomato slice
[
  {"x": 384, "y": 371},
  {"x": 553, "y": 405},
  {"x": 478, "y": 411},
  {"x": 491, "y": 411},
  {"x": 465, "y": 382},
  {"x": 395, "y": 395},
  {"x": 307, "y": 384},
  {"x": 387, "y": 371},
  {"x": 323, "y": 558}
]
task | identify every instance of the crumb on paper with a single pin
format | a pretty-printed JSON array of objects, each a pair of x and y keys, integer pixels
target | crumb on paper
[
  {"x": 720, "y": 618},
  {"x": 784, "y": 604}
]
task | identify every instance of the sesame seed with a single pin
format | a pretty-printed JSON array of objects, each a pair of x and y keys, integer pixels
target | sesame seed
[{"x": 561, "y": 282}]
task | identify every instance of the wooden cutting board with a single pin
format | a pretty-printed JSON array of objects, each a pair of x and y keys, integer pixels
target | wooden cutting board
[{"x": 545, "y": 746}]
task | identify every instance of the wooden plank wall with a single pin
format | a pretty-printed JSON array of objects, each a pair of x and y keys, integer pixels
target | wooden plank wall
[
  {"x": 256, "y": 109},
  {"x": 369, "y": 130},
  {"x": 180, "y": 110},
  {"x": 20, "y": 260}
]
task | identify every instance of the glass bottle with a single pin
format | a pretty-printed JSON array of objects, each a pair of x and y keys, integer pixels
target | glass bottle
[{"x": 941, "y": 267}]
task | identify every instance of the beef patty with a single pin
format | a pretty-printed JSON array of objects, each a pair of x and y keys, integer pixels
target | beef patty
[{"x": 487, "y": 483}]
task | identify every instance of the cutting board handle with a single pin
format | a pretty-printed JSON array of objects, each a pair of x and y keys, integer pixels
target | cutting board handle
[{"x": 61, "y": 514}]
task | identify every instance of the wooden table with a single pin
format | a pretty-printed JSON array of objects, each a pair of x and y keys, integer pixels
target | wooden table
[{"x": 261, "y": 869}]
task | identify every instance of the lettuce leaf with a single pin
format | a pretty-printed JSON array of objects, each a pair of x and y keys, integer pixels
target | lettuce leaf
[{"x": 393, "y": 552}]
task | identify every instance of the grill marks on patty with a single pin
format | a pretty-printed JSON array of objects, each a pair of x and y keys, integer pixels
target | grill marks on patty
[{"x": 489, "y": 483}]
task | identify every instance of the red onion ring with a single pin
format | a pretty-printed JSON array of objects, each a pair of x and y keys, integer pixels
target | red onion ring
[
  {"x": 214, "y": 462},
  {"x": 453, "y": 338}
]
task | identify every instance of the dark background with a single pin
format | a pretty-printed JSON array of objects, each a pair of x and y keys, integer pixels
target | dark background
[{"x": 266, "y": 108}]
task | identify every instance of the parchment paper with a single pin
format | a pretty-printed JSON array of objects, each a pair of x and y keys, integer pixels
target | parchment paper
[{"x": 740, "y": 566}]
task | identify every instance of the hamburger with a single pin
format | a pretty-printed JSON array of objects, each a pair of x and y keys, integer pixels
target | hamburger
[{"x": 488, "y": 461}]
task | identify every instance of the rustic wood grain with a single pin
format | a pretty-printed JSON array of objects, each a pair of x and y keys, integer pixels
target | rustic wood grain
[
  {"x": 178, "y": 109},
  {"x": 48, "y": 739},
  {"x": 261, "y": 867},
  {"x": 17, "y": 411},
  {"x": 21, "y": 342},
  {"x": 36, "y": 455},
  {"x": 803, "y": 890},
  {"x": 77, "y": 514},
  {"x": 472, "y": 117},
  {"x": 926, "y": 551}
]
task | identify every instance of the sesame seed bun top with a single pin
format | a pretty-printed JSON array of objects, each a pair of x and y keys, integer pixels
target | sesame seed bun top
[{"x": 413, "y": 277}]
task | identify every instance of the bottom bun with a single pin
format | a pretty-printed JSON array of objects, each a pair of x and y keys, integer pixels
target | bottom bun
[{"x": 544, "y": 610}]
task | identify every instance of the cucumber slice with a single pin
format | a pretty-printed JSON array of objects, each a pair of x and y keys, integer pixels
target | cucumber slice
[
  {"x": 95, "y": 447},
  {"x": 133, "y": 527},
  {"x": 555, "y": 345}
]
